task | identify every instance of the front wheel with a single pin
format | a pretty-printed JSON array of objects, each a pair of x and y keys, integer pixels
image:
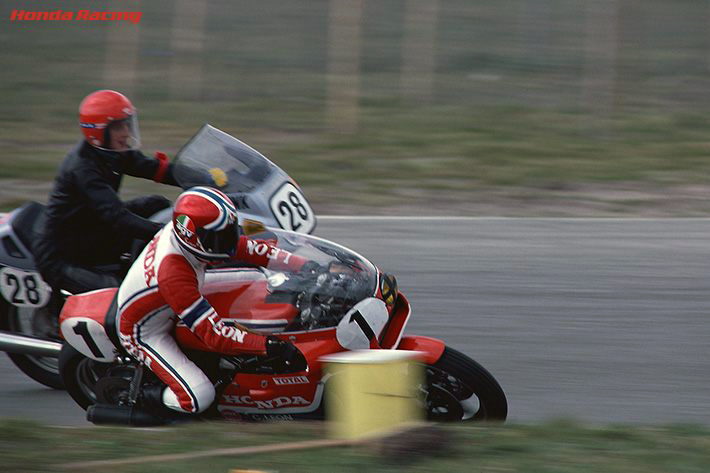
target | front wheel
[
  {"x": 459, "y": 389},
  {"x": 38, "y": 322}
]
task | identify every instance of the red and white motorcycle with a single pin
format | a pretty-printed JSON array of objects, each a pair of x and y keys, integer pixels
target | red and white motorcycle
[{"x": 350, "y": 304}]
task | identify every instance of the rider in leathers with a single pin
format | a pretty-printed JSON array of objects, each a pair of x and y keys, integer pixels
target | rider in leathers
[
  {"x": 87, "y": 225},
  {"x": 164, "y": 286}
]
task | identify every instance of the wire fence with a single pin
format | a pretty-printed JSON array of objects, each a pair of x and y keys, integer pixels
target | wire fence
[{"x": 601, "y": 57}]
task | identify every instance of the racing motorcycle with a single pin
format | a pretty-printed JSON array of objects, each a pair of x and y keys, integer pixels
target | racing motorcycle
[
  {"x": 346, "y": 304},
  {"x": 29, "y": 307}
]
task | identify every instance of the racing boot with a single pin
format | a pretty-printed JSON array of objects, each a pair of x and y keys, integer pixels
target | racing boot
[
  {"x": 152, "y": 400},
  {"x": 152, "y": 396}
]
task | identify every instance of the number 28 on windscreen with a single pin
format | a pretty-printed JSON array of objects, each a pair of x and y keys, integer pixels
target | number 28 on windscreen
[{"x": 292, "y": 210}]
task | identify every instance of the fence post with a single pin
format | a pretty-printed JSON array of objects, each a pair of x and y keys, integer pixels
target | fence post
[
  {"x": 419, "y": 50},
  {"x": 601, "y": 42},
  {"x": 122, "y": 51},
  {"x": 343, "y": 69},
  {"x": 187, "y": 45}
]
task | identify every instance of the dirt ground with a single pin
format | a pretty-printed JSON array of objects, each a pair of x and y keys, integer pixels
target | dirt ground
[{"x": 598, "y": 200}]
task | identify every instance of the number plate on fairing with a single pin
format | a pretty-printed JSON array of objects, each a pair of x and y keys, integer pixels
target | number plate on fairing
[
  {"x": 88, "y": 337},
  {"x": 24, "y": 288},
  {"x": 362, "y": 324},
  {"x": 291, "y": 209}
]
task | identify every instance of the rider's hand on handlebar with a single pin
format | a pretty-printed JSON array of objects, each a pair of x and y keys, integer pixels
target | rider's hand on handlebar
[{"x": 291, "y": 356}]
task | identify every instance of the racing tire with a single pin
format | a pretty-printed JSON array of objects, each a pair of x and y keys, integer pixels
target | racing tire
[
  {"x": 43, "y": 369},
  {"x": 80, "y": 375},
  {"x": 459, "y": 389}
]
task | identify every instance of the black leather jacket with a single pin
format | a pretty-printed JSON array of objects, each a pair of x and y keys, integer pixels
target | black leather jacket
[{"x": 85, "y": 214}]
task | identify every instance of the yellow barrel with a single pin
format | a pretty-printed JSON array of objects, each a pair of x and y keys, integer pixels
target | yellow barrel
[{"x": 371, "y": 392}]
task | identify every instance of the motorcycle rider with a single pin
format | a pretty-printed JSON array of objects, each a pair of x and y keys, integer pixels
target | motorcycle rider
[
  {"x": 87, "y": 225},
  {"x": 164, "y": 286}
]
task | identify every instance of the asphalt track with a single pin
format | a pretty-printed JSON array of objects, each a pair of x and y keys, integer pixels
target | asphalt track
[{"x": 600, "y": 320}]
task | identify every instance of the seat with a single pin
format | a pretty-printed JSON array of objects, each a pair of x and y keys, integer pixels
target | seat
[{"x": 29, "y": 223}]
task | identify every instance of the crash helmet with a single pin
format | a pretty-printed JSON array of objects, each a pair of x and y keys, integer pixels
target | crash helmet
[
  {"x": 104, "y": 112},
  {"x": 205, "y": 224}
]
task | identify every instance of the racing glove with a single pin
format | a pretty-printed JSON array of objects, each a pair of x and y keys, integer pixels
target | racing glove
[{"x": 293, "y": 359}]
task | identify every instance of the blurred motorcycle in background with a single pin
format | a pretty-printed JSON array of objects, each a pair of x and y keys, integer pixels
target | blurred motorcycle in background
[{"x": 29, "y": 308}]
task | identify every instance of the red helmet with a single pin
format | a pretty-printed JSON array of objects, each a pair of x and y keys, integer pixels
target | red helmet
[
  {"x": 105, "y": 110},
  {"x": 205, "y": 223}
]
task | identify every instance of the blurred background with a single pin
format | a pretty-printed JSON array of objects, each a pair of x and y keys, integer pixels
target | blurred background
[{"x": 492, "y": 107}]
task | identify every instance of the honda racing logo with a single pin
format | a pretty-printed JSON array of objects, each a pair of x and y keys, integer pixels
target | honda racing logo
[{"x": 282, "y": 401}]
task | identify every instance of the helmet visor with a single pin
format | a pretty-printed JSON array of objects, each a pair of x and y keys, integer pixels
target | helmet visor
[
  {"x": 122, "y": 135},
  {"x": 220, "y": 243}
]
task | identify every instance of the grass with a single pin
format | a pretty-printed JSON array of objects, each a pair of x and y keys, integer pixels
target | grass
[{"x": 558, "y": 446}]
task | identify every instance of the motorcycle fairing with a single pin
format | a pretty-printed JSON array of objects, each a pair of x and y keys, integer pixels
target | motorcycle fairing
[
  {"x": 249, "y": 302},
  {"x": 257, "y": 393},
  {"x": 20, "y": 284},
  {"x": 81, "y": 323},
  {"x": 392, "y": 333},
  {"x": 431, "y": 348}
]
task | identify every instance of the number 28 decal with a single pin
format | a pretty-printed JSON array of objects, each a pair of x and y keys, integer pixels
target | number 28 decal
[
  {"x": 292, "y": 210},
  {"x": 24, "y": 288}
]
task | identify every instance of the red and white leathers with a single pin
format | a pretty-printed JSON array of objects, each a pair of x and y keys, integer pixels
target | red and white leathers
[{"x": 164, "y": 286}]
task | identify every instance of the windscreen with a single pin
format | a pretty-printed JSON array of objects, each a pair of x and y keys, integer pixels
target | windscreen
[
  {"x": 317, "y": 295},
  {"x": 214, "y": 158}
]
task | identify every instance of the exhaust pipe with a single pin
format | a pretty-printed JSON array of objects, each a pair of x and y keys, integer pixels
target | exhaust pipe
[
  {"x": 122, "y": 415},
  {"x": 27, "y": 345}
]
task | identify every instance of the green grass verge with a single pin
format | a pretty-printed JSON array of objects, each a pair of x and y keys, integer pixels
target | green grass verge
[{"x": 559, "y": 446}]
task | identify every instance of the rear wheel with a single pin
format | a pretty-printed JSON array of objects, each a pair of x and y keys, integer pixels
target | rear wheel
[
  {"x": 459, "y": 389},
  {"x": 42, "y": 322}
]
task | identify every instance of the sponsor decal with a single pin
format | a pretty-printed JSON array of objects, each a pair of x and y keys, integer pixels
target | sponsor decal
[
  {"x": 219, "y": 177},
  {"x": 291, "y": 380},
  {"x": 149, "y": 259},
  {"x": 184, "y": 226},
  {"x": 226, "y": 331},
  {"x": 263, "y": 417},
  {"x": 78, "y": 15},
  {"x": 389, "y": 289},
  {"x": 271, "y": 252},
  {"x": 281, "y": 401}
]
